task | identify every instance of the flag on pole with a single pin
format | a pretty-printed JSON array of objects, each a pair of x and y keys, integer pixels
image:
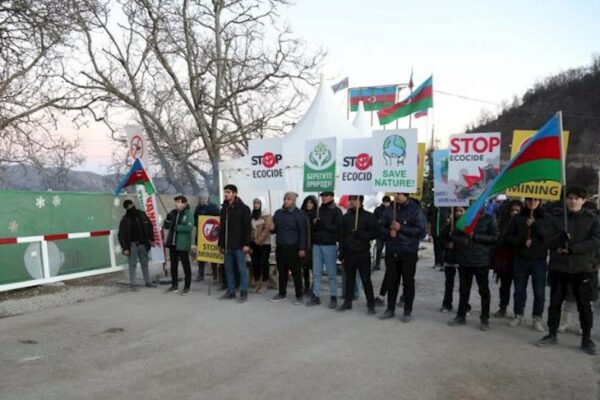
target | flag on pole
[
  {"x": 341, "y": 85},
  {"x": 373, "y": 98},
  {"x": 419, "y": 100},
  {"x": 420, "y": 114},
  {"x": 538, "y": 160},
  {"x": 136, "y": 176},
  {"x": 410, "y": 81}
]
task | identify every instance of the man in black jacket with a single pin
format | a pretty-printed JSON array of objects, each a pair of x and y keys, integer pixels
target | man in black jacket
[
  {"x": 291, "y": 227},
  {"x": 327, "y": 229},
  {"x": 405, "y": 226},
  {"x": 204, "y": 207},
  {"x": 526, "y": 234},
  {"x": 572, "y": 258},
  {"x": 234, "y": 241},
  {"x": 357, "y": 233},
  {"x": 473, "y": 252},
  {"x": 380, "y": 243},
  {"x": 136, "y": 235}
]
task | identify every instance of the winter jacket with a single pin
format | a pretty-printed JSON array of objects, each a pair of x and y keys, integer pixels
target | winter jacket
[
  {"x": 378, "y": 213},
  {"x": 584, "y": 228},
  {"x": 475, "y": 251},
  {"x": 261, "y": 234},
  {"x": 445, "y": 240},
  {"x": 437, "y": 217},
  {"x": 291, "y": 228},
  {"x": 413, "y": 227},
  {"x": 503, "y": 255},
  {"x": 358, "y": 241},
  {"x": 328, "y": 226},
  {"x": 518, "y": 232},
  {"x": 234, "y": 232},
  {"x": 135, "y": 222},
  {"x": 180, "y": 225}
]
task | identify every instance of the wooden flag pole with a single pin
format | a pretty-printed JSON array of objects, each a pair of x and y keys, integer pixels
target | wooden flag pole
[{"x": 356, "y": 209}]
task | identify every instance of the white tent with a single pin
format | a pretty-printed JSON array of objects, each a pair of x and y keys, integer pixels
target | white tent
[
  {"x": 322, "y": 120},
  {"x": 361, "y": 123}
]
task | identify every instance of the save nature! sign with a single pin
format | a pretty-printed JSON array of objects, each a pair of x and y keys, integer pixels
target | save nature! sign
[{"x": 395, "y": 160}]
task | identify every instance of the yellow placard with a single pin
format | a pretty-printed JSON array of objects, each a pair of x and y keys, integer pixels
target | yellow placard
[
  {"x": 420, "y": 172},
  {"x": 208, "y": 239},
  {"x": 545, "y": 190}
]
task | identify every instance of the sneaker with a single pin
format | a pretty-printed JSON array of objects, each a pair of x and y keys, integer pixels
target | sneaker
[
  {"x": 243, "y": 297},
  {"x": 333, "y": 303},
  {"x": 314, "y": 301},
  {"x": 345, "y": 306},
  {"x": 501, "y": 313},
  {"x": 406, "y": 318},
  {"x": 589, "y": 346},
  {"x": 227, "y": 296},
  {"x": 298, "y": 301},
  {"x": 278, "y": 297},
  {"x": 388, "y": 314},
  {"x": 547, "y": 340},
  {"x": 518, "y": 320},
  {"x": 537, "y": 324},
  {"x": 484, "y": 325},
  {"x": 457, "y": 321},
  {"x": 151, "y": 285},
  {"x": 371, "y": 311},
  {"x": 379, "y": 302},
  {"x": 185, "y": 291},
  {"x": 172, "y": 289},
  {"x": 445, "y": 309}
]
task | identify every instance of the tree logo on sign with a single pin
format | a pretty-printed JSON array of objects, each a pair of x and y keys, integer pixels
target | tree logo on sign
[{"x": 320, "y": 157}]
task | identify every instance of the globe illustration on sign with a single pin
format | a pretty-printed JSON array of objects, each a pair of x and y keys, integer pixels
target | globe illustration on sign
[{"x": 394, "y": 148}]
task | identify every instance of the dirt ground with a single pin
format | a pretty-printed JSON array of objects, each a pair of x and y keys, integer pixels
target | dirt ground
[{"x": 149, "y": 345}]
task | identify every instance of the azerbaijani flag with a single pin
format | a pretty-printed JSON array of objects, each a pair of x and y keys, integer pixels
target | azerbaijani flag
[
  {"x": 341, "y": 85},
  {"x": 538, "y": 160},
  {"x": 419, "y": 100},
  {"x": 420, "y": 114},
  {"x": 136, "y": 176},
  {"x": 373, "y": 98}
]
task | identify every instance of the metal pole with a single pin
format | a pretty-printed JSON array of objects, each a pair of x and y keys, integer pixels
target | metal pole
[{"x": 563, "y": 174}]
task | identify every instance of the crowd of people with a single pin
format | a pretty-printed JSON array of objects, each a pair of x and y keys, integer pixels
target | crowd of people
[{"x": 554, "y": 244}]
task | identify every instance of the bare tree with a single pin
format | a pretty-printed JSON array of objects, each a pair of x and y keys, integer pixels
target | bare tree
[
  {"x": 203, "y": 77},
  {"x": 34, "y": 38}
]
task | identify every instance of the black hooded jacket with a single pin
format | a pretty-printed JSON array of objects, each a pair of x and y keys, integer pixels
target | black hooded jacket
[
  {"x": 358, "y": 241},
  {"x": 328, "y": 226},
  {"x": 135, "y": 226},
  {"x": 518, "y": 232},
  {"x": 235, "y": 229}
]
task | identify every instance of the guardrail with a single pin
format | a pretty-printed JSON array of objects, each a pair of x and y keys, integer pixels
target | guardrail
[{"x": 44, "y": 240}]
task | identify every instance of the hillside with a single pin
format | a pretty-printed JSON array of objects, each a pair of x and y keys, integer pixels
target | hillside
[{"x": 577, "y": 93}]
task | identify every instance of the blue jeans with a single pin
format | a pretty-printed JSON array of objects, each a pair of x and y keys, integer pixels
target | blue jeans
[
  {"x": 236, "y": 259},
  {"x": 537, "y": 270},
  {"x": 324, "y": 256}
]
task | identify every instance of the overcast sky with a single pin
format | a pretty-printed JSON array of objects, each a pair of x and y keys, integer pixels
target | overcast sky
[{"x": 475, "y": 49}]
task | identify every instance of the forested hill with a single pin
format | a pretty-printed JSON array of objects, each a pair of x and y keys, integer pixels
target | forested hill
[{"x": 577, "y": 93}]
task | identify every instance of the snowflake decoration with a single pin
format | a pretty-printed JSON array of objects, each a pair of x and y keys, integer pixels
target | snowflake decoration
[
  {"x": 116, "y": 202},
  {"x": 13, "y": 226},
  {"x": 56, "y": 200},
  {"x": 40, "y": 202}
]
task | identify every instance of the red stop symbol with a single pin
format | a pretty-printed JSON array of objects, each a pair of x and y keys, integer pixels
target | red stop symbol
[
  {"x": 363, "y": 161},
  {"x": 269, "y": 160}
]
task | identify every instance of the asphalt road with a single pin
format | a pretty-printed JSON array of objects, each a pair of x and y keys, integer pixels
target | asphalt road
[{"x": 150, "y": 345}]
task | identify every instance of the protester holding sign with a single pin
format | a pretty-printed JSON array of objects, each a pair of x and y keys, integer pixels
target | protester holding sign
[
  {"x": 180, "y": 223},
  {"x": 359, "y": 228},
  {"x": 204, "y": 207},
  {"x": 234, "y": 241},
  {"x": 327, "y": 229},
  {"x": 260, "y": 245},
  {"x": 405, "y": 226},
  {"x": 309, "y": 206},
  {"x": 291, "y": 227}
]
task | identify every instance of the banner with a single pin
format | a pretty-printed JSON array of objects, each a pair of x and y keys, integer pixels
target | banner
[
  {"x": 356, "y": 176},
  {"x": 208, "y": 240},
  {"x": 442, "y": 195},
  {"x": 420, "y": 171},
  {"x": 137, "y": 149},
  {"x": 395, "y": 160},
  {"x": 544, "y": 190},
  {"x": 319, "y": 165},
  {"x": 474, "y": 162},
  {"x": 267, "y": 163}
]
